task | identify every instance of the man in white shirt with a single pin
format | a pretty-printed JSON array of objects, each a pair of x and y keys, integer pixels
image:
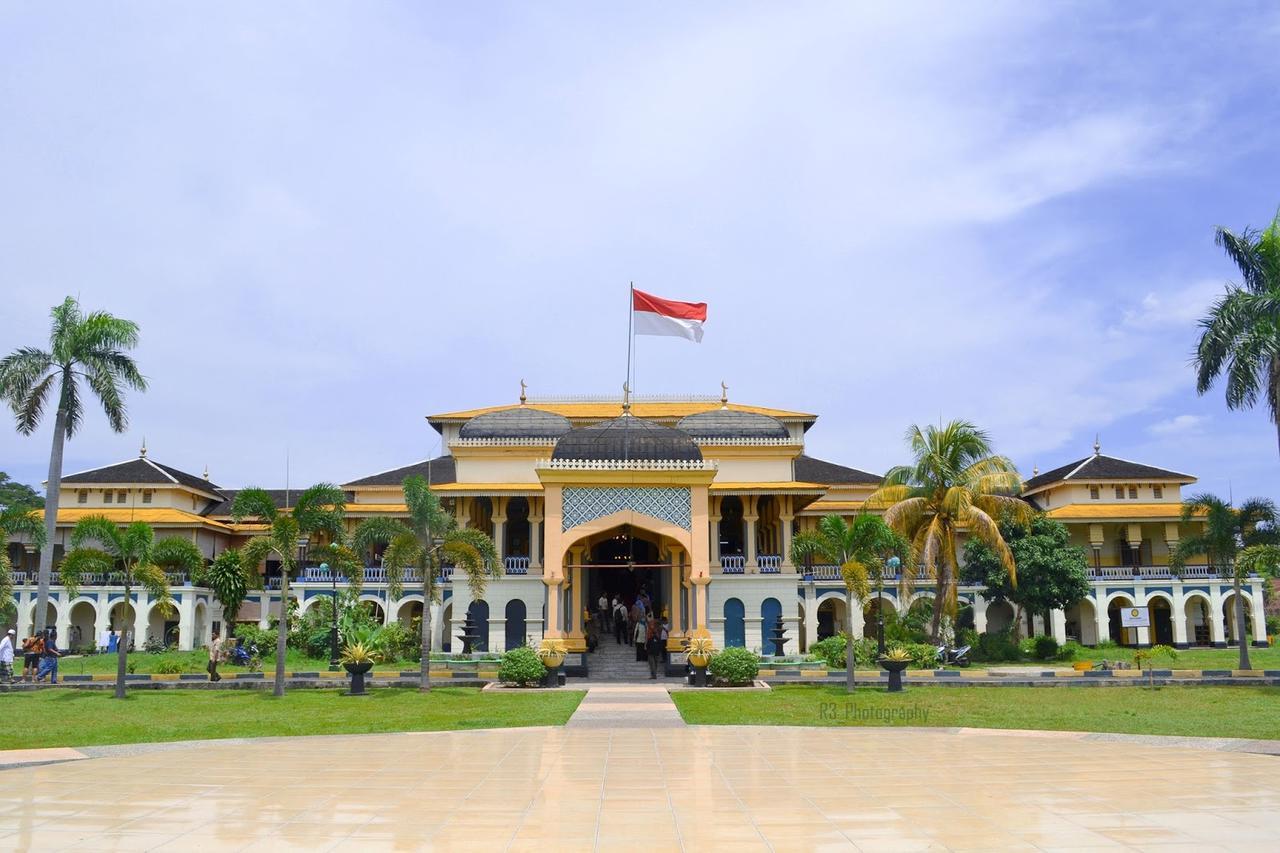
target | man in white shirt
[
  {"x": 602, "y": 608},
  {"x": 6, "y": 657}
]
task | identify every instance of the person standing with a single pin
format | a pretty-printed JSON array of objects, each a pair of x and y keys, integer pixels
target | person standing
[
  {"x": 619, "y": 619},
  {"x": 653, "y": 646},
  {"x": 6, "y": 657},
  {"x": 49, "y": 657},
  {"x": 603, "y": 612},
  {"x": 31, "y": 648},
  {"x": 215, "y": 657},
  {"x": 639, "y": 636}
]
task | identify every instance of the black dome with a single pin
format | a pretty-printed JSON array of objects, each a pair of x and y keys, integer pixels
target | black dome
[
  {"x": 728, "y": 423},
  {"x": 627, "y": 437},
  {"x": 520, "y": 422}
]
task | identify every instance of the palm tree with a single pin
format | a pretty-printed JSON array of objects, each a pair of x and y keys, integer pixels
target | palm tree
[
  {"x": 318, "y": 510},
  {"x": 429, "y": 539},
  {"x": 134, "y": 551},
  {"x": 1241, "y": 333},
  {"x": 859, "y": 549},
  {"x": 15, "y": 520},
  {"x": 1233, "y": 541},
  {"x": 955, "y": 482},
  {"x": 229, "y": 579},
  {"x": 89, "y": 347}
]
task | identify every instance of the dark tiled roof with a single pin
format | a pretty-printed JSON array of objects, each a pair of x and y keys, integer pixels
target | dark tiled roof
[
  {"x": 627, "y": 437},
  {"x": 442, "y": 471},
  {"x": 810, "y": 470},
  {"x": 142, "y": 471},
  {"x": 520, "y": 422},
  {"x": 728, "y": 423},
  {"x": 1099, "y": 467},
  {"x": 280, "y": 497}
]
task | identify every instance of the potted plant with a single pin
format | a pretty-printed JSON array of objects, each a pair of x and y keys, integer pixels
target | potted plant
[
  {"x": 700, "y": 651},
  {"x": 894, "y": 662},
  {"x": 551, "y": 652},
  {"x": 357, "y": 659},
  {"x": 1144, "y": 658}
]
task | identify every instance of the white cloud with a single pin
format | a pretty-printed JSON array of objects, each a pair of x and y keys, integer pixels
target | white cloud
[{"x": 1179, "y": 425}]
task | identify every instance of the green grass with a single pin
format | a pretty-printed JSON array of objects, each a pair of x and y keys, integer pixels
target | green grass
[
  {"x": 195, "y": 661},
  {"x": 93, "y": 717},
  {"x": 1259, "y": 658},
  {"x": 1248, "y": 712}
]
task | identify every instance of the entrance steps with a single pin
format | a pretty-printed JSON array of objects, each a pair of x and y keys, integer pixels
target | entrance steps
[{"x": 613, "y": 662}]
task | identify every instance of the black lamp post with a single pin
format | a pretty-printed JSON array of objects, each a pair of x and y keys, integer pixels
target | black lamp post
[
  {"x": 892, "y": 564},
  {"x": 333, "y": 630}
]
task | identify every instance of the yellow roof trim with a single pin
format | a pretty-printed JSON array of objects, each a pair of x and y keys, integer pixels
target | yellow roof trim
[
  {"x": 779, "y": 486},
  {"x": 587, "y": 410},
  {"x": 481, "y": 488},
  {"x": 152, "y": 515},
  {"x": 834, "y": 506},
  {"x": 357, "y": 508},
  {"x": 1153, "y": 512}
]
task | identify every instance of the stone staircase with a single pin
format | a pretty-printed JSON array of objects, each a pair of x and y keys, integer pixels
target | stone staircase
[{"x": 612, "y": 662}]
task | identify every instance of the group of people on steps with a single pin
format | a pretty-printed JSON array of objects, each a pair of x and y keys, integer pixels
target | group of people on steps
[{"x": 635, "y": 624}]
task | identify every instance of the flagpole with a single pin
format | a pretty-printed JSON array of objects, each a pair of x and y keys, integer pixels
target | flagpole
[{"x": 631, "y": 337}]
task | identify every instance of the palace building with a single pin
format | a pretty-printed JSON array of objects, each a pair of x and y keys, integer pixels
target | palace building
[{"x": 694, "y": 500}]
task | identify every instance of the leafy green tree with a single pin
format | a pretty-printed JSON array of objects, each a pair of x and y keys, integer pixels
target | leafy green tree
[
  {"x": 1240, "y": 336},
  {"x": 318, "y": 511},
  {"x": 135, "y": 553},
  {"x": 859, "y": 548},
  {"x": 1052, "y": 573},
  {"x": 230, "y": 580},
  {"x": 1224, "y": 535},
  {"x": 954, "y": 482},
  {"x": 89, "y": 347},
  {"x": 15, "y": 520},
  {"x": 430, "y": 539},
  {"x": 15, "y": 494}
]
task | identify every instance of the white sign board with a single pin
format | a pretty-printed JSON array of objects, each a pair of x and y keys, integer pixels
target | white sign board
[{"x": 1135, "y": 617}]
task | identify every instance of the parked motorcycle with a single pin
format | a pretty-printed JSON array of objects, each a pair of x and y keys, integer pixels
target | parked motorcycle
[{"x": 948, "y": 656}]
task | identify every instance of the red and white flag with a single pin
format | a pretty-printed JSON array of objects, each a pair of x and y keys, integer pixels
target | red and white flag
[{"x": 654, "y": 315}]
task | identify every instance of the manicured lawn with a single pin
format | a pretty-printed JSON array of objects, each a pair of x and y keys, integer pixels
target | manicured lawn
[
  {"x": 1248, "y": 712},
  {"x": 195, "y": 661},
  {"x": 88, "y": 717},
  {"x": 1259, "y": 658}
]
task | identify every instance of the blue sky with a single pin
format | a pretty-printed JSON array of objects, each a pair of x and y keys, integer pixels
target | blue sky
[{"x": 333, "y": 219}]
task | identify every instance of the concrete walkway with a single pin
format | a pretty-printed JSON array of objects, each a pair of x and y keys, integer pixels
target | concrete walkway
[{"x": 626, "y": 706}]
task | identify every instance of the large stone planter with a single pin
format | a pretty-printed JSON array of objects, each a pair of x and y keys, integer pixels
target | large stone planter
[
  {"x": 357, "y": 672},
  {"x": 894, "y": 668}
]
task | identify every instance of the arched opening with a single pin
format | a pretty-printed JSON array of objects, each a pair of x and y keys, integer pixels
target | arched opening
[
  {"x": 1082, "y": 623},
  {"x": 1198, "y": 613},
  {"x": 768, "y": 527},
  {"x": 999, "y": 617},
  {"x": 123, "y": 621},
  {"x": 919, "y": 616},
  {"x": 409, "y": 614},
  {"x": 732, "y": 538},
  {"x": 482, "y": 514},
  {"x": 625, "y": 562},
  {"x": 479, "y": 613},
  {"x": 375, "y": 610},
  {"x": 770, "y": 620},
  {"x": 1120, "y": 635},
  {"x": 162, "y": 626},
  {"x": 200, "y": 627},
  {"x": 84, "y": 616},
  {"x": 1161, "y": 610},
  {"x": 735, "y": 624},
  {"x": 832, "y": 618},
  {"x": 1232, "y": 629},
  {"x": 515, "y": 615}
]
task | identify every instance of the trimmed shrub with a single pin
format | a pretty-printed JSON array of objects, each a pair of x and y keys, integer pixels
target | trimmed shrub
[
  {"x": 1070, "y": 650},
  {"x": 169, "y": 666},
  {"x": 1040, "y": 647},
  {"x": 996, "y": 648},
  {"x": 521, "y": 668},
  {"x": 734, "y": 666},
  {"x": 830, "y": 651}
]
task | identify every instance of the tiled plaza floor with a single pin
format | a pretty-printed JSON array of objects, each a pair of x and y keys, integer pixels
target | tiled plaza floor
[{"x": 695, "y": 788}]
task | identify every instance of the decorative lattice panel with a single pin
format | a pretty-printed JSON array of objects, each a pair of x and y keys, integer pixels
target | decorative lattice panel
[{"x": 672, "y": 504}]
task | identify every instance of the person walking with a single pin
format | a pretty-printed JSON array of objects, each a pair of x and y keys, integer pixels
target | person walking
[
  {"x": 653, "y": 646},
  {"x": 619, "y": 619},
  {"x": 639, "y": 636},
  {"x": 6, "y": 657},
  {"x": 49, "y": 657},
  {"x": 603, "y": 613},
  {"x": 215, "y": 657},
  {"x": 31, "y": 648}
]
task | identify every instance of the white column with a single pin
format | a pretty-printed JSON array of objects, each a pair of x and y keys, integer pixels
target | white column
[
  {"x": 500, "y": 528},
  {"x": 1179, "y": 617},
  {"x": 754, "y": 639},
  {"x": 784, "y": 541},
  {"x": 497, "y": 633},
  {"x": 437, "y": 626},
  {"x": 1100, "y": 616},
  {"x": 1256, "y": 611},
  {"x": 1058, "y": 624},
  {"x": 791, "y": 645},
  {"x": 1217, "y": 628},
  {"x": 102, "y": 619},
  {"x": 264, "y": 610},
  {"x": 857, "y": 619},
  {"x": 810, "y": 616},
  {"x": 979, "y": 613},
  {"x": 186, "y": 623},
  {"x": 751, "y": 518}
]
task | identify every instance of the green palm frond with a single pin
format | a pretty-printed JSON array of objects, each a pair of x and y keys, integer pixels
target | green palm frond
[
  {"x": 472, "y": 552},
  {"x": 254, "y": 502},
  {"x": 404, "y": 552},
  {"x": 83, "y": 561},
  {"x": 152, "y": 578},
  {"x": 175, "y": 554},
  {"x": 320, "y": 509},
  {"x": 377, "y": 531},
  {"x": 100, "y": 529}
]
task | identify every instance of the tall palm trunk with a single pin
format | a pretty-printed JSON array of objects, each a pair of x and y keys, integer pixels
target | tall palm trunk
[
  {"x": 282, "y": 629},
  {"x": 849, "y": 663},
  {"x": 941, "y": 591},
  {"x": 424, "y": 681},
  {"x": 51, "y": 495},
  {"x": 1241, "y": 634},
  {"x": 122, "y": 648}
]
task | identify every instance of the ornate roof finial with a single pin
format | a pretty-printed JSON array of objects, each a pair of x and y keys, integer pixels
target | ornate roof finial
[
  {"x": 1097, "y": 444},
  {"x": 724, "y": 395},
  {"x": 523, "y": 397},
  {"x": 206, "y": 471},
  {"x": 1035, "y": 470},
  {"x": 626, "y": 398},
  {"x": 142, "y": 454}
]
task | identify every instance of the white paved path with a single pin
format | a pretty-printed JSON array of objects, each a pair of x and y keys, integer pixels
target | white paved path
[{"x": 626, "y": 706}]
